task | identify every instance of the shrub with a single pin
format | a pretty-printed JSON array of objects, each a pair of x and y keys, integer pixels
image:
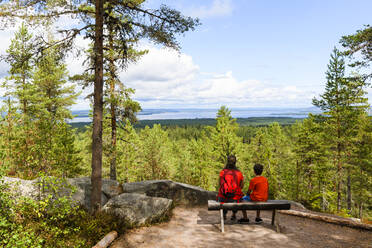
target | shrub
[{"x": 51, "y": 222}]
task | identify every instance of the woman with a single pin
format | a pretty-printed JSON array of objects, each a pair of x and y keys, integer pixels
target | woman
[{"x": 231, "y": 184}]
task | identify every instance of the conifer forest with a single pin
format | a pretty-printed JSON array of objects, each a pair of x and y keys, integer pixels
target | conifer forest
[{"x": 323, "y": 161}]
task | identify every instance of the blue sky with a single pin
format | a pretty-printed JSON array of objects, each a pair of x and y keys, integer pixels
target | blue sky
[{"x": 245, "y": 54}]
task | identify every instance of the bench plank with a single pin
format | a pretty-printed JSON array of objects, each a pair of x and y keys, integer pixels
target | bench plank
[{"x": 268, "y": 205}]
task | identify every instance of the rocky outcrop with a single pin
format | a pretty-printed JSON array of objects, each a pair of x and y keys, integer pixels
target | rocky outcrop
[
  {"x": 138, "y": 203},
  {"x": 80, "y": 192},
  {"x": 22, "y": 188},
  {"x": 110, "y": 188},
  {"x": 181, "y": 194},
  {"x": 138, "y": 209}
]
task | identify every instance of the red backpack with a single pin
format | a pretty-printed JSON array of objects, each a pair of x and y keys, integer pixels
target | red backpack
[{"x": 229, "y": 184}]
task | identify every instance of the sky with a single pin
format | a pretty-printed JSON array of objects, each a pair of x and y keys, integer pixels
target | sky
[{"x": 246, "y": 53}]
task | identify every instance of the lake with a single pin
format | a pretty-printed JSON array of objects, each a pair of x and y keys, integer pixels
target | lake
[{"x": 162, "y": 114}]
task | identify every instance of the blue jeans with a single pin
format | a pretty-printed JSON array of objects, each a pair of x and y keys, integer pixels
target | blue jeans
[{"x": 246, "y": 198}]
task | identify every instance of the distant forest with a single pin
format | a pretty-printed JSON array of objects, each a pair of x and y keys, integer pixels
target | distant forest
[{"x": 251, "y": 121}]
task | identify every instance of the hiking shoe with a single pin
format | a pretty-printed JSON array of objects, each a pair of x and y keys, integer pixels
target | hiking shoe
[
  {"x": 258, "y": 220},
  {"x": 243, "y": 221}
]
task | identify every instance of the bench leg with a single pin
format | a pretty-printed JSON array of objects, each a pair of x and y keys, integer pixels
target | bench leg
[
  {"x": 275, "y": 221},
  {"x": 222, "y": 224}
]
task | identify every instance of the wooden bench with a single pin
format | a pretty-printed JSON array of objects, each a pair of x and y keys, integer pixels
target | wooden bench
[{"x": 268, "y": 205}]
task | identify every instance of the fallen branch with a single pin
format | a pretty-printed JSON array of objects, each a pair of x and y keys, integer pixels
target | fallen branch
[
  {"x": 329, "y": 219},
  {"x": 107, "y": 240}
]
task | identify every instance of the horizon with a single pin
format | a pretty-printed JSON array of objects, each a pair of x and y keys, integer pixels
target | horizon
[{"x": 177, "y": 114}]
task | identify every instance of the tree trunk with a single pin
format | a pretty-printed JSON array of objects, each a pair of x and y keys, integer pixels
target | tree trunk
[
  {"x": 113, "y": 108},
  {"x": 339, "y": 166},
  {"x": 113, "y": 143},
  {"x": 361, "y": 210},
  {"x": 348, "y": 190},
  {"x": 323, "y": 199},
  {"x": 327, "y": 218},
  {"x": 107, "y": 240},
  {"x": 96, "y": 178},
  {"x": 298, "y": 180}
]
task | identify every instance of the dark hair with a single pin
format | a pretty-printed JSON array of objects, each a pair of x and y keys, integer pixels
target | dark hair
[
  {"x": 258, "y": 168},
  {"x": 231, "y": 163}
]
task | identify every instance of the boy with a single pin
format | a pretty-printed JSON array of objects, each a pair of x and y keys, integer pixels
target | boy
[{"x": 257, "y": 191}]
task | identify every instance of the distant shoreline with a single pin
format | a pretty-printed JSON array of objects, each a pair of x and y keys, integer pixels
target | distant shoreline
[
  {"x": 183, "y": 114},
  {"x": 249, "y": 121}
]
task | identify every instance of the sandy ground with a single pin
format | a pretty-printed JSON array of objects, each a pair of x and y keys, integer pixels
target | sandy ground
[{"x": 197, "y": 227}]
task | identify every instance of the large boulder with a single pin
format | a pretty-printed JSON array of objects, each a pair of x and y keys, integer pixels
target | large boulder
[
  {"x": 138, "y": 209},
  {"x": 22, "y": 188},
  {"x": 81, "y": 195},
  {"x": 181, "y": 194}
]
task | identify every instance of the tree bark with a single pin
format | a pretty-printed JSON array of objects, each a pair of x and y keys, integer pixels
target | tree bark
[
  {"x": 112, "y": 107},
  {"x": 361, "y": 210},
  {"x": 348, "y": 190},
  {"x": 339, "y": 167},
  {"x": 107, "y": 240},
  {"x": 96, "y": 178},
  {"x": 329, "y": 219},
  {"x": 113, "y": 142},
  {"x": 298, "y": 180}
]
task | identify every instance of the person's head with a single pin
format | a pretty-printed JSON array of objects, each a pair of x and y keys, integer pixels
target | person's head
[
  {"x": 258, "y": 168},
  {"x": 231, "y": 162}
]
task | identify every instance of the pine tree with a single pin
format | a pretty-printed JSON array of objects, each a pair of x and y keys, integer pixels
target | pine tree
[
  {"x": 19, "y": 88},
  {"x": 55, "y": 140},
  {"x": 224, "y": 137},
  {"x": 129, "y": 155},
  {"x": 343, "y": 102},
  {"x": 312, "y": 168},
  {"x": 156, "y": 148},
  {"x": 359, "y": 44},
  {"x": 361, "y": 167},
  {"x": 159, "y": 25},
  {"x": 8, "y": 137}
]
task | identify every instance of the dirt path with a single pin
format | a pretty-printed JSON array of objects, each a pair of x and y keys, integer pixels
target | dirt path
[{"x": 197, "y": 227}]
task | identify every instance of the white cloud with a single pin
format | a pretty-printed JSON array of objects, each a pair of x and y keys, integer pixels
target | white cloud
[
  {"x": 216, "y": 9},
  {"x": 168, "y": 64},
  {"x": 164, "y": 78}
]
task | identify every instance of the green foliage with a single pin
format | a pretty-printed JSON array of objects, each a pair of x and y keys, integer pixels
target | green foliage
[
  {"x": 35, "y": 129},
  {"x": 195, "y": 162},
  {"x": 344, "y": 104},
  {"x": 155, "y": 153},
  {"x": 53, "y": 221},
  {"x": 360, "y": 44},
  {"x": 223, "y": 135},
  {"x": 313, "y": 167},
  {"x": 271, "y": 148}
]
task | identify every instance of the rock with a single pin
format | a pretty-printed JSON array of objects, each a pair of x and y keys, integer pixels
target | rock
[
  {"x": 110, "y": 188},
  {"x": 181, "y": 194},
  {"x": 22, "y": 188},
  {"x": 138, "y": 209},
  {"x": 297, "y": 205},
  {"x": 81, "y": 196}
]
